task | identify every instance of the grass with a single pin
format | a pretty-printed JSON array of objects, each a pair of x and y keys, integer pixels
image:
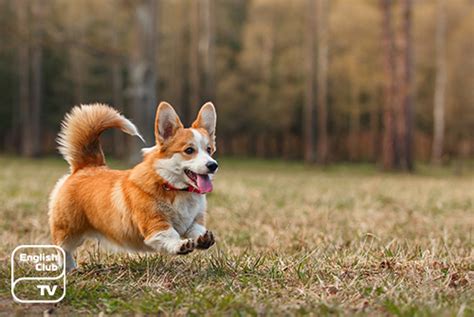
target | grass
[{"x": 344, "y": 240}]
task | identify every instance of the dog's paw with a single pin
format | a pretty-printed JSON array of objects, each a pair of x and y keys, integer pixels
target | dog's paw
[
  {"x": 205, "y": 241},
  {"x": 187, "y": 246}
]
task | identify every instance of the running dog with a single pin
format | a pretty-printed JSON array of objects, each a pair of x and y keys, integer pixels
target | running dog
[{"x": 158, "y": 205}]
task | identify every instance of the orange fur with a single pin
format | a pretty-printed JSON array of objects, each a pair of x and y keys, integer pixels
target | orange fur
[
  {"x": 79, "y": 136},
  {"x": 125, "y": 207}
]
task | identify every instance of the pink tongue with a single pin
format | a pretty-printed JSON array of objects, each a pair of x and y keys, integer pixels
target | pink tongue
[{"x": 204, "y": 183}]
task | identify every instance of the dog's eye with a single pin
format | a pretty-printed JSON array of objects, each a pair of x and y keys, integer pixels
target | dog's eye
[
  {"x": 189, "y": 150},
  {"x": 209, "y": 149}
]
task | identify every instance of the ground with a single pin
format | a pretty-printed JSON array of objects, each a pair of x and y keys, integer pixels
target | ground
[{"x": 290, "y": 240}]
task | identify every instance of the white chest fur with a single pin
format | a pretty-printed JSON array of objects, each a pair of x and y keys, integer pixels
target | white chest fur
[{"x": 187, "y": 207}]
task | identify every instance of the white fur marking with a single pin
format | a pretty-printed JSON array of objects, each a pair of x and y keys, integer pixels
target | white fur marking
[
  {"x": 147, "y": 150},
  {"x": 198, "y": 164},
  {"x": 196, "y": 231},
  {"x": 198, "y": 137},
  {"x": 188, "y": 207},
  {"x": 171, "y": 169},
  {"x": 130, "y": 128},
  {"x": 54, "y": 193},
  {"x": 118, "y": 201},
  {"x": 168, "y": 241}
]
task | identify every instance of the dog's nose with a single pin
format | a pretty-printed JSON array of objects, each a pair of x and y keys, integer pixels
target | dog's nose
[{"x": 212, "y": 166}]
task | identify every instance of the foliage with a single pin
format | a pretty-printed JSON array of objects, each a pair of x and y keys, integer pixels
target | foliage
[{"x": 258, "y": 58}]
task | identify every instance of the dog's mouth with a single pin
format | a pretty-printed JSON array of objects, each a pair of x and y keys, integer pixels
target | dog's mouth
[{"x": 201, "y": 182}]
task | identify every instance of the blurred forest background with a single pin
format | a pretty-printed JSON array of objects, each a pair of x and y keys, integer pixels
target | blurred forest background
[{"x": 382, "y": 81}]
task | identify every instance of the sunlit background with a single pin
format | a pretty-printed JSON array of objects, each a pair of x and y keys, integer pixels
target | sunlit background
[{"x": 387, "y": 82}]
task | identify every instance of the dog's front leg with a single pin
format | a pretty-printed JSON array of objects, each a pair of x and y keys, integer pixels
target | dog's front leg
[
  {"x": 158, "y": 233},
  {"x": 170, "y": 242},
  {"x": 203, "y": 237}
]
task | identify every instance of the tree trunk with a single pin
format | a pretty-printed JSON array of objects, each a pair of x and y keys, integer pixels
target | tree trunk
[
  {"x": 76, "y": 58},
  {"x": 374, "y": 128},
  {"x": 194, "y": 77},
  {"x": 440, "y": 84},
  {"x": 22, "y": 15},
  {"x": 399, "y": 103},
  {"x": 117, "y": 97},
  {"x": 388, "y": 147},
  {"x": 286, "y": 145},
  {"x": 177, "y": 81},
  {"x": 206, "y": 47},
  {"x": 77, "y": 73},
  {"x": 261, "y": 145},
  {"x": 403, "y": 99},
  {"x": 407, "y": 66},
  {"x": 38, "y": 11},
  {"x": 143, "y": 74},
  {"x": 181, "y": 80},
  {"x": 354, "y": 131},
  {"x": 308, "y": 113},
  {"x": 323, "y": 12}
]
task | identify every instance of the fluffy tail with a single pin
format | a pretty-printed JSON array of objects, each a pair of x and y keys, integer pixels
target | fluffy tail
[{"x": 79, "y": 137}]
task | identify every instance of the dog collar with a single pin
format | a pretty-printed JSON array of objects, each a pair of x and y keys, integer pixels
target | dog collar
[{"x": 190, "y": 189}]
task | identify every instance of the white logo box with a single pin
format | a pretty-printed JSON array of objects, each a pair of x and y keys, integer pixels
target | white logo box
[{"x": 40, "y": 258}]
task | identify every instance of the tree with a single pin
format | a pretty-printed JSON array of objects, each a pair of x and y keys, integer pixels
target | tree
[
  {"x": 201, "y": 54},
  {"x": 407, "y": 85},
  {"x": 117, "y": 92},
  {"x": 403, "y": 100},
  {"x": 398, "y": 108},
  {"x": 440, "y": 84},
  {"x": 207, "y": 48},
  {"x": 29, "y": 19},
  {"x": 354, "y": 121},
  {"x": 194, "y": 76},
  {"x": 390, "y": 88},
  {"x": 273, "y": 66},
  {"x": 77, "y": 26},
  {"x": 322, "y": 69},
  {"x": 308, "y": 114},
  {"x": 143, "y": 73},
  {"x": 38, "y": 14},
  {"x": 23, "y": 54}
]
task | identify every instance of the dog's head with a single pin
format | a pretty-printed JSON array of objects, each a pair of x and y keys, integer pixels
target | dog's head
[{"x": 183, "y": 156}]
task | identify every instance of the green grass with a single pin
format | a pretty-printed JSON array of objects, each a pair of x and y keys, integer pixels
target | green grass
[{"x": 343, "y": 240}]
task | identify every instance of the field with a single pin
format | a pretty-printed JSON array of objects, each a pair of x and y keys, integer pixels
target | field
[{"x": 344, "y": 240}]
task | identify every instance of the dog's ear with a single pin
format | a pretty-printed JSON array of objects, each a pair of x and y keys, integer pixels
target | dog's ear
[
  {"x": 206, "y": 119},
  {"x": 166, "y": 122}
]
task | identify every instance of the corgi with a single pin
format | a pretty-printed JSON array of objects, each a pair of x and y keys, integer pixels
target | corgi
[{"x": 158, "y": 205}]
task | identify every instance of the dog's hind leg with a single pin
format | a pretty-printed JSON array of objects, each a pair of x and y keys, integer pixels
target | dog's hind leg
[
  {"x": 69, "y": 243},
  {"x": 69, "y": 247}
]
